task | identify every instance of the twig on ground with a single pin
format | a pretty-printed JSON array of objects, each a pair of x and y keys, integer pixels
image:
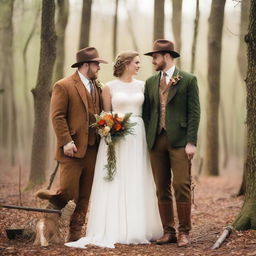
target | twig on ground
[{"x": 227, "y": 231}]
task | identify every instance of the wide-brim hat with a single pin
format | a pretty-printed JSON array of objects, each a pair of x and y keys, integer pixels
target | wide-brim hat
[
  {"x": 88, "y": 54},
  {"x": 162, "y": 45}
]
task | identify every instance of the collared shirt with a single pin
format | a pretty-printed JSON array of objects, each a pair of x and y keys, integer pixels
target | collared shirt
[
  {"x": 169, "y": 73},
  {"x": 85, "y": 81}
]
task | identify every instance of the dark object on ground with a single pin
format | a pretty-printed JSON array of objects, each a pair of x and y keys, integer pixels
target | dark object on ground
[
  {"x": 30, "y": 209},
  {"x": 13, "y": 233}
]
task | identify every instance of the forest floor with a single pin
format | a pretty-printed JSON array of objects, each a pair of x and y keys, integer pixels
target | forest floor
[{"x": 215, "y": 206}]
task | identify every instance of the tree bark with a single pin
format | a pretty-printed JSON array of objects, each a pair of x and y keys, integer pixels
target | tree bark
[
  {"x": 196, "y": 25},
  {"x": 244, "y": 21},
  {"x": 62, "y": 20},
  {"x": 176, "y": 25},
  {"x": 115, "y": 30},
  {"x": 9, "y": 122},
  {"x": 85, "y": 24},
  {"x": 247, "y": 216},
  {"x": 41, "y": 94},
  {"x": 213, "y": 96},
  {"x": 242, "y": 64},
  {"x": 158, "y": 20}
]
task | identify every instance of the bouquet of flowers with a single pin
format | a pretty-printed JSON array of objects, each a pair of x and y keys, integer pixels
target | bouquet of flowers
[{"x": 112, "y": 127}]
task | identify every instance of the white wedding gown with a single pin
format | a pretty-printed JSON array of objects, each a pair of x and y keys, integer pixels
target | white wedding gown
[{"x": 124, "y": 210}]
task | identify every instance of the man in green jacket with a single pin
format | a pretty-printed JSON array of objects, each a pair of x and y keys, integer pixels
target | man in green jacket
[{"x": 171, "y": 112}]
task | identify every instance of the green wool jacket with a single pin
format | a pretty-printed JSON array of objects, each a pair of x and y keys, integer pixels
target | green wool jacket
[{"x": 182, "y": 110}]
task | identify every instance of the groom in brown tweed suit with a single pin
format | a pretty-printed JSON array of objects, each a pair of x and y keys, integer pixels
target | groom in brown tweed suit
[
  {"x": 171, "y": 113},
  {"x": 75, "y": 101}
]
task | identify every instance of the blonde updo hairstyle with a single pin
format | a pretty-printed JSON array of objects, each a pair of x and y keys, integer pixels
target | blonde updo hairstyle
[{"x": 122, "y": 60}]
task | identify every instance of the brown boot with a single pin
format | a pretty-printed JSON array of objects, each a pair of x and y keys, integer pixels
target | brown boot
[
  {"x": 167, "y": 218},
  {"x": 183, "y": 240},
  {"x": 76, "y": 225},
  {"x": 184, "y": 216},
  {"x": 56, "y": 199},
  {"x": 167, "y": 238}
]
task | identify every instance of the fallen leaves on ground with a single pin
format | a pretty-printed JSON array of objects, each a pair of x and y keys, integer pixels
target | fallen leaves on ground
[{"x": 214, "y": 208}]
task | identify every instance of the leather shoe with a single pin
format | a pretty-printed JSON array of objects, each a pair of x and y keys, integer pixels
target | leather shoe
[
  {"x": 183, "y": 240},
  {"x": 167, "y": 238}
]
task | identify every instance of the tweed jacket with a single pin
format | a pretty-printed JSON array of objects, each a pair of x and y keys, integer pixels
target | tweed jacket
[
  {"x": 69, "y": 114},
  {"x": 182, "y": 110}
]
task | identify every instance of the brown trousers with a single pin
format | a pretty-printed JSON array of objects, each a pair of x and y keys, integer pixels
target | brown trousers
[
  {"x": 167, "y": 161},
  {"x": 76, "y": 177}
]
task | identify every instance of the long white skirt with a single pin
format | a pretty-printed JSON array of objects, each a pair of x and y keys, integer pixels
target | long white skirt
[{"x": 123, "y": 210}]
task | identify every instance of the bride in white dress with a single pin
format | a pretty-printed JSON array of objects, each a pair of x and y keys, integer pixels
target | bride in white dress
[{"x": 123, "y": 210}]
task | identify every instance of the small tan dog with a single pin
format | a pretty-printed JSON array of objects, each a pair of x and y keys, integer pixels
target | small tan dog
[
  {"x": 49, "y": 226},
  {"x": 48, "y": 230}
]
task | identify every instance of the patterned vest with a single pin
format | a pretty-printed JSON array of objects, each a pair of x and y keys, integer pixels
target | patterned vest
[
  {"x": 94, "y": 105},
  {"x": 163, "y": 95}
]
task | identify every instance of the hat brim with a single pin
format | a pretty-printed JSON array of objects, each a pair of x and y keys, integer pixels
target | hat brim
[
  {"x": 173, "y": 53},
  {"x": 75, "y": 65}
]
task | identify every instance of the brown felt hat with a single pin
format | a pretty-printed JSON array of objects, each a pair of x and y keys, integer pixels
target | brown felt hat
[
  {"x": 162, "y": 45},
  {"x": 88, "y": 54}
]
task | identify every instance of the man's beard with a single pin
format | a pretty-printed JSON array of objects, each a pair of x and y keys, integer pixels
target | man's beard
[
  {"x": 91, "y": 75},
  {"x": 160, "y": 66}
]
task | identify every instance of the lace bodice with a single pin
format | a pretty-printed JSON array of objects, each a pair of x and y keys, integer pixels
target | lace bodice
[{"x": 127, "y": 97}]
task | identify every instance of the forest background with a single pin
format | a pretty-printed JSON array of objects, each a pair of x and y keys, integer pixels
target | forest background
[{"x": 134, "y": 23}]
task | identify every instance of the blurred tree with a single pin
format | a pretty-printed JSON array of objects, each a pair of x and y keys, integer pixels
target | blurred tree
[
  {"x": 25, "y": 66},
  {"x": 158, "y": 20},
  {"x": 176, "y": 25},
  {"x": 62, "y": 20},
  {"x": 130, "y": 27},
  {"x": 247, "y": 216},
  {"x": 213, "y": 95},
  {"x": 41, "y": 94},
  {"x": 85, "y": 24},
  {"x": 244, "y": 21},
  {"x": 9, "y": 123},
  {"x": 242, "y": 63},
  {"x": 115, "y": 30},
  {"x": 196, "y": 25},
  {"x": 224, "y": 135}
]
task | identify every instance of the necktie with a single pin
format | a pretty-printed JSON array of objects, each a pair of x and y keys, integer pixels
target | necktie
[
  {"x": 163, "y": 83},
  {"x": 92, "y": 91}
]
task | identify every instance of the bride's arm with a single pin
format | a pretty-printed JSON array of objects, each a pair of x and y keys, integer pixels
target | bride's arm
[{"x": 106, "y": 96}]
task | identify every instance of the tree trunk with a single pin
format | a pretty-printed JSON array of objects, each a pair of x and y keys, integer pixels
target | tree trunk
[
  {"x": 242, "y": 63},
  {"x": 9, "y": 122},
  {"x": 247, "y": 216},
  {"x": 85, "y": 24},
  {"x": 224, "y": 135},
  {"x": 158, "y": 19},
  {"x": 26, "y": 85},
  {"x": 213, "y": 97},
  {"x": 62, "y": 20},
  {"x": 130, "y": 28},
  {"x": 244, "y": 21},
  {"x": 176, "y": 25},
  {"x": 115, "y": 30},
  {"x": 196, "y": 25},
  {"x": 41, "y": 95}
]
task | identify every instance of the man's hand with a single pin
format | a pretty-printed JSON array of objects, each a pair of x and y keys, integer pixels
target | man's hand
[
  {"x": 70, "y": 149},
  {"x": 190, "y": 150}
]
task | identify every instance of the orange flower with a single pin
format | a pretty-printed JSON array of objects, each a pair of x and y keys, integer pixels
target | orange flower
[
  {"x": 101, "y": 122},
  {"x": 108, "y": 117},
  {"x": 119, "y": 119},
  {"x": 117, "y": 126}
]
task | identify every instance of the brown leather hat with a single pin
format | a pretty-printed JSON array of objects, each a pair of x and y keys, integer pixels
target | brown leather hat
[
  {"x": 162, "y": 45},
  {"x": 87, "y": 54}
]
